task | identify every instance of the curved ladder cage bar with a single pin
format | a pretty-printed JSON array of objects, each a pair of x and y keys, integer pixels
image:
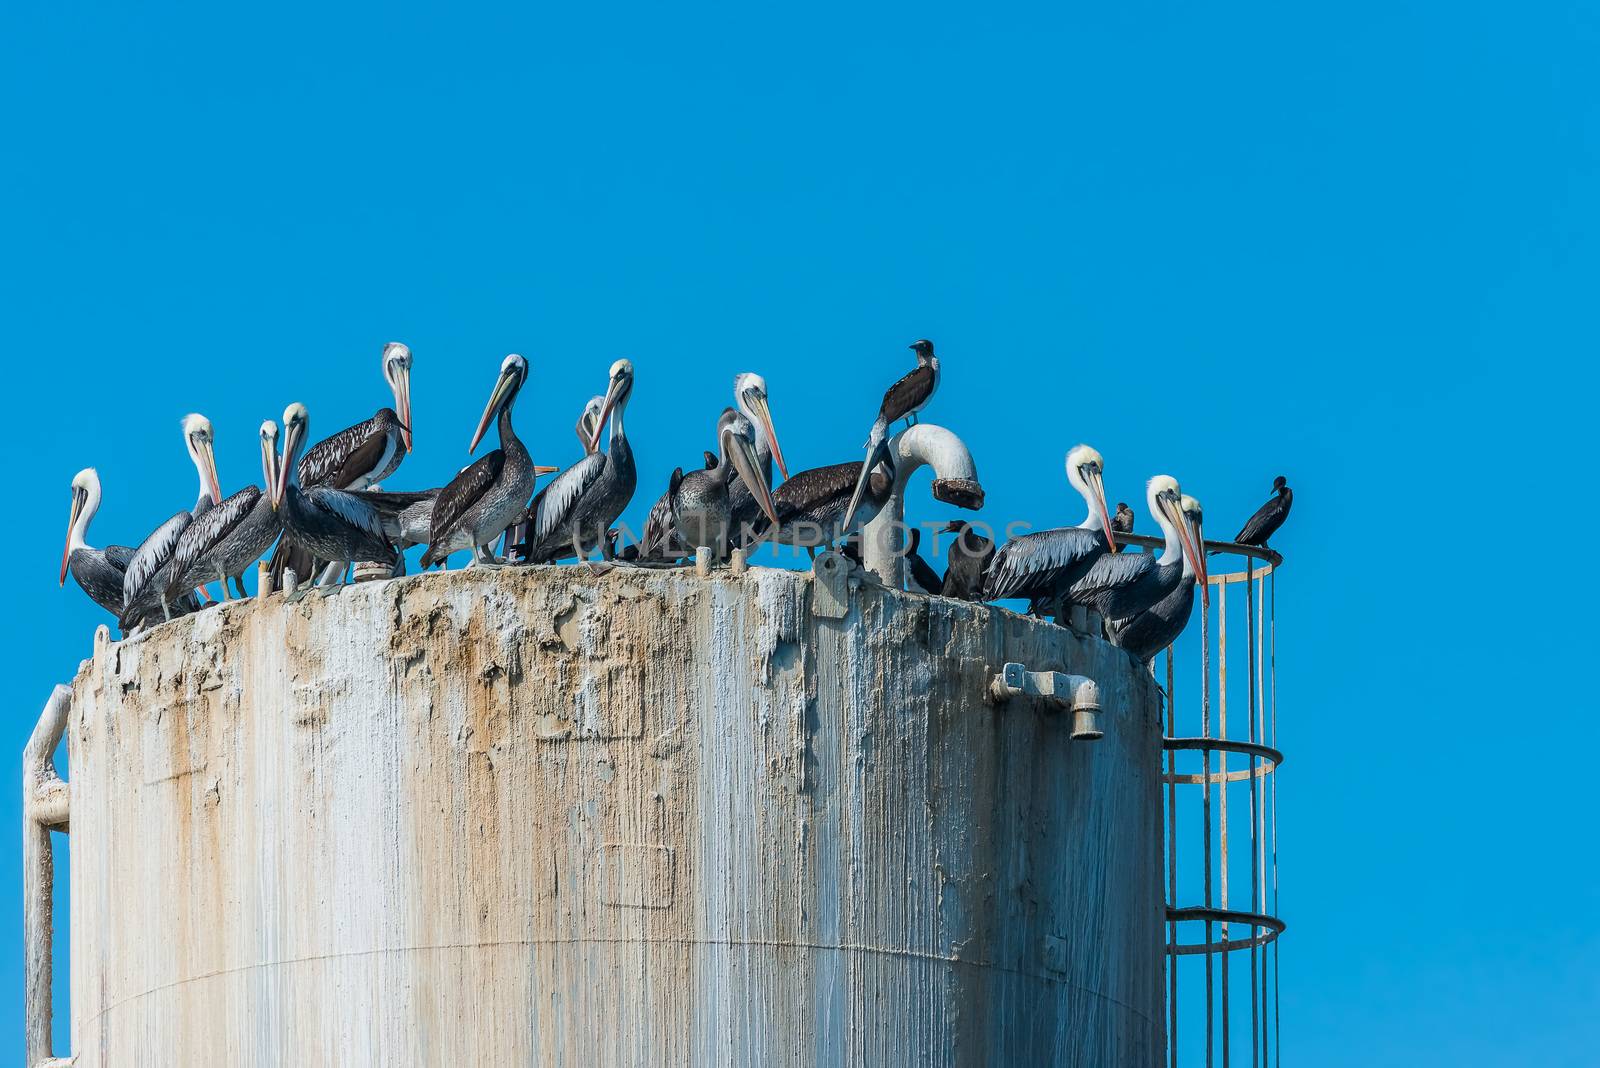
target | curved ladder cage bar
[{"x": 1232, "y": 764}]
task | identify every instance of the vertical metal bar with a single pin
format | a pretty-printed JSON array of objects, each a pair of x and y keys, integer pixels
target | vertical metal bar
[
  {"x": 1172, "y": 870},
  {"x": 1257, "y": 1006},
  {"x": 1205, "y": 793},
  {"x": 1277, "y": 1019},
  {"x": 1222, "y": 801},
  {"x": 1261, "y": 812}
]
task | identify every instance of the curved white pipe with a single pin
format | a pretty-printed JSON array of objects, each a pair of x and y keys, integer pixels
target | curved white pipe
[{"x": 912, "y": 448}]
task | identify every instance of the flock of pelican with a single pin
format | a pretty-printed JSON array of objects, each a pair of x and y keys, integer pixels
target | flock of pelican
[{"x": 324, "y": 509}]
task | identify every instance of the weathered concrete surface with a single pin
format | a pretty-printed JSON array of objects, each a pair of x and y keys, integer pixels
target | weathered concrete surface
[{"x": 536, "y": 817}]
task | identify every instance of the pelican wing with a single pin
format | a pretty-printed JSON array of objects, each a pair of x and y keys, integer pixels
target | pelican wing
[
  {"x": 119, "y": 556},
  {"x": 1109, "y": 574},
  {"x": 151, "y": 554},
  {"x": 1268, "y": 518},
  {"x": 907, "y": 395},
  {"x": 207, "y": 532},
  {"x": 1034, "y": 564},
  {"x": 561, "y": 496},
  {"x": 394, "y": 502},
  {"x": 349, "y": 509},
  {"x": 464, "y": 491},
  {"x": 337, "y": 457}
]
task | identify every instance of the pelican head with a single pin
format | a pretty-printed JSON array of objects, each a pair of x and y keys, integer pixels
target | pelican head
[
  {"x": 85, "y": 502},
  {"x": 1196, "y": 544},
  {"x": 513, "y": 372},
  {"x": 397, "y": 372},
  {"x": 296, "y": 423},
  {"x": 923, "y": 349},
  {"x": 750, "y": 393},
  {"x": 738, "y": 440},
  {"x": 617, "y": 393},
  {"x": 589, "y": 422},
  {"x": 1086, "y": 473},
  {"x": 1165, "y": 501},
  {"x": 198, "y": 439}
]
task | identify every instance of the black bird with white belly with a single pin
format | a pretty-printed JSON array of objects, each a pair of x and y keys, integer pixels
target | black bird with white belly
[{"x": 904, "y": 400}]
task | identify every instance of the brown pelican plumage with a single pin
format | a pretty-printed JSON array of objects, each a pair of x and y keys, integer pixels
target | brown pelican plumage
[
  {"x": 811, "y": 504},
  {"x": 702, "y": 506},
  {"x": 1042, "y": 566},
  {"x": 145, "y": 583},
  {"x": 573, "y": 515},
  {"x": 904, "y": 400},
  {"x": 98, "y": 572},
  {"x": 1121, "y": 585},
  {"x": 483, "y": 500},
  {"x": 516, "y": 543},
  {"x": 226, "y": 540},
  {"x": 358, "y": 456},
  {"x": 965, "y": 561},
  {"x": 1269, "y": 517},
  {"x": 1147, "y": 633}
]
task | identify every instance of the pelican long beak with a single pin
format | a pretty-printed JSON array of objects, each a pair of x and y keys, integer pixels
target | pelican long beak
[
  {"x": 72, "y": 522},
  {"x": 1097, "y": 483},
  {"x": 875, "y": 455},
  {"x": 291, "y": 449},
  {"x": 502, "y": 386},
  {"x": 1195, "y": 545},
  {"x": 269, "y": 469},
  {"x": 539, "y": 470},
  {"x": 613, "y": 391},
  {"x": 587, "y": 427},
  {"x": 743, "y": 455},
  {"x": 208, "y": 460},
  {"x": 758, "y": 404},
  {"x": 402, "y": 403}
]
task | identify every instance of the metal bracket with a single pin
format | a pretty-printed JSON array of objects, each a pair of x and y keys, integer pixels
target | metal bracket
[
  {"x": 830, "y": 592},
  {"x": 1077, "y": 692}
]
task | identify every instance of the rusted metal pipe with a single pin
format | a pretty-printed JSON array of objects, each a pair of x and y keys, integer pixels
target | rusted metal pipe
[{"x": 1078, "y": 692}]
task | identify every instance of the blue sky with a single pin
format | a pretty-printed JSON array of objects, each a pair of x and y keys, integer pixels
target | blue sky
[{"x": 1357, "y": 245}]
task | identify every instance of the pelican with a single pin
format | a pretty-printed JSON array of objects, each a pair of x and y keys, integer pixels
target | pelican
[
  {"x": 230, "y": 537},
  {"x": 923, "y": 576},
  {"x": 516, "y": 544},
  {"x": 575, "y": 512},
  {"x": 1147, "y": 633},
  {"x": 1269, "y": 517},
  {"x": 811, "y": 505},
  {"x": 702, "y": 505},
  {"x": 1043, "y": 565},
  {"x": 482, "y": 501},
  {"x": 966, "y": 560},
  {"x": 904, "y": 400},
  {"x": 145, "y": 584},
  {"x": 98, "y": 572},
  {"x": 1122, "y": 522},
  {"x": 750, "y": 397},
  {"x": 407, "y": 515},
  {"x": 1120, "y": 585},
  {"x": 358, "y": 456},
  {"x": 329, "y": 524}
]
